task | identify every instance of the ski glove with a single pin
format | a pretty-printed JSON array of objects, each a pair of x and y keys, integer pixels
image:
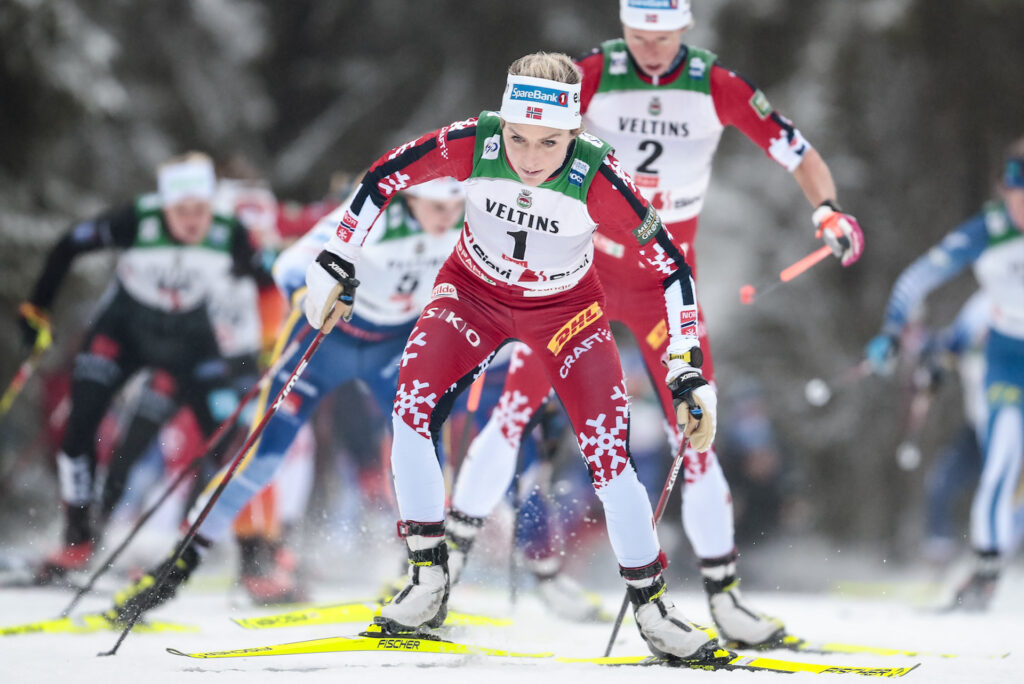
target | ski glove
[
  {"x": 839, "y": 231},
  {"x": 34, "y": 324},
  {"x": 331, "y": 291},
  {"x": 694, "y": 399},
  {"x": 881, "y": 353}
]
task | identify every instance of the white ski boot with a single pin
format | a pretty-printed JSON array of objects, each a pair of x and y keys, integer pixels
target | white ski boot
[
  {"x": 975, "y": 593},
  {"x": 562, "y": 594},
  {"x": 737, "y": 621},
  {"x": 424, "y": 599},
  {"x": 460, "y": 533},
  {"x": 663, "y": 626}
]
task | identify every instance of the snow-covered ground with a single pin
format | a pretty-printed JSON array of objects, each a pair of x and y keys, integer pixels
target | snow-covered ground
[{"x": 891, "y": 621}]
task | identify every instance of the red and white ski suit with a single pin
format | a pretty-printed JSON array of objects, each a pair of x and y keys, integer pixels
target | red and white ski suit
[{"x": 483, "y": 297}]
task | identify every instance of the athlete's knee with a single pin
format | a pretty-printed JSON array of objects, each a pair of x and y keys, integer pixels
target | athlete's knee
[
  {"x": 511, "y": 416},
  {"x": 602, "y": 443},
  {"x": 157, "y": 400},
  {"x": 414, "y": 405},
  {"x": 698, "y": 465},
  {"x": 97, "y": 365}
]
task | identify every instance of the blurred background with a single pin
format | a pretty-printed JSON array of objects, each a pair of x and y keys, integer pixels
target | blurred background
[{"x": 909, "y": 101}]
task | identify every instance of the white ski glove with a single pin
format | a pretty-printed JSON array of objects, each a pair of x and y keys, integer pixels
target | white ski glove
[
  {"x": 330, "y": 291},
  {"x": 695, "y": 401},
  {"x": 841, "y": 232}
]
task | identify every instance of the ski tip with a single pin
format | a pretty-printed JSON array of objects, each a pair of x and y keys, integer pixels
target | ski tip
[{"x": 174, "y": 651}]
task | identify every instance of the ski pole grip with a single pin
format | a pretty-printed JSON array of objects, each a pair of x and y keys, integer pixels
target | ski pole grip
[{"x": 695, "y": 411}]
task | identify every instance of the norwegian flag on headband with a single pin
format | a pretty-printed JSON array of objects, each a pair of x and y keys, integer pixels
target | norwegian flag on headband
[{"x": 534, "y": 112}]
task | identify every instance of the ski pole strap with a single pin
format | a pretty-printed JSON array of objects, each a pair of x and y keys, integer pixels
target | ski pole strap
[{"x": 682, "y": 387}]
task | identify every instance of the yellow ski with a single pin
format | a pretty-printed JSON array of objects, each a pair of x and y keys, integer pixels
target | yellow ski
[
  {"x": 351, "y": 612},
  {"x": 792, "y": 643},
  {"x": 799, "y": 645},
  {"x": 719, "y": 659},
  {"x": 417, "y": 644},
  {"x": 723, "y": 659},
  {"x": 90, "y": 623}
]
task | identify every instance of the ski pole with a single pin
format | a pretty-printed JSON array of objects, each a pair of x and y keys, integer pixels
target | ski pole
[
  {"x": 44, "y": 339},
  {"x": 253, "y": 436},
  {"x": 25, "y": 371},
  {"x": 922, "y": 392},
  {"x": 659, "y": 511},
  {"x": 748, "y": 292},
  {"x": 214, "y": 444}
]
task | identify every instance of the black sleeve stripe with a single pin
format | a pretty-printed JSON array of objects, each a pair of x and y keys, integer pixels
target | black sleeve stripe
[
  {"x": 784, "y": 125},
  {"x": 682, "y": 273},
  {"x": 634, "y": 201},
  {"x": 775, "y": 116},
  {"x": 368, "y": 186},
  {"x": 466, "y": 132}
]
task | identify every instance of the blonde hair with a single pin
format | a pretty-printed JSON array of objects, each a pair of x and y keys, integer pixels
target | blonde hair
[{"x": 553, "y": 66}]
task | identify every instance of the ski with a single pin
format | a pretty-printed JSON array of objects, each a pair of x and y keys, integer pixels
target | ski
[
  {"x": 797, "y": 644},
  {"x": 90, "y": 623},
  {"x": 719, "y": 659},
  {"x": 723, "y": 659},
  {"x": 418, "y": 643},
  {"x": 351, "y": 612}
]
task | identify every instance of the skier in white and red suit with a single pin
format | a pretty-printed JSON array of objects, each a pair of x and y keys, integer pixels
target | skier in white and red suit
[
  {"x": 663, "y": 106},
  {"x": 536, "y": 189}
]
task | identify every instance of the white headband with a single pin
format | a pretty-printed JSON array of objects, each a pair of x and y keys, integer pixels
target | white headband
[
  {"x": 445, "y": 188},
  {"x": 655, "y": 15},
  {"x": 189, "y": 179},
  {"x": 529, "y": 100}
]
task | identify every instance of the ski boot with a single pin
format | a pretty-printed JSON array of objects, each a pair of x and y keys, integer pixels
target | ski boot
[
  {"x": 143, "y": 594},
  {"x": 55, "y": 568},
  {"x": 76, "y": 552},
  {"x": 738, "y": 623},
  {"x": 424, "y": 599},
  {"x": 266, "y": 574},
  {"x": 562, "y": 594},
  {"x": 667, "y": 632},
  {"x": 975, "y": 593},
  {"x": 460, "y": 533}
]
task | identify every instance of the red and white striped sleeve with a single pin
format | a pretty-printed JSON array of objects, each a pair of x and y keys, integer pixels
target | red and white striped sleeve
[{"x": 740, "y": 103}]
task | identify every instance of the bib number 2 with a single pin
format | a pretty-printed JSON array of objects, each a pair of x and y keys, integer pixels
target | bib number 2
[{"x": 656, "y": 150}]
